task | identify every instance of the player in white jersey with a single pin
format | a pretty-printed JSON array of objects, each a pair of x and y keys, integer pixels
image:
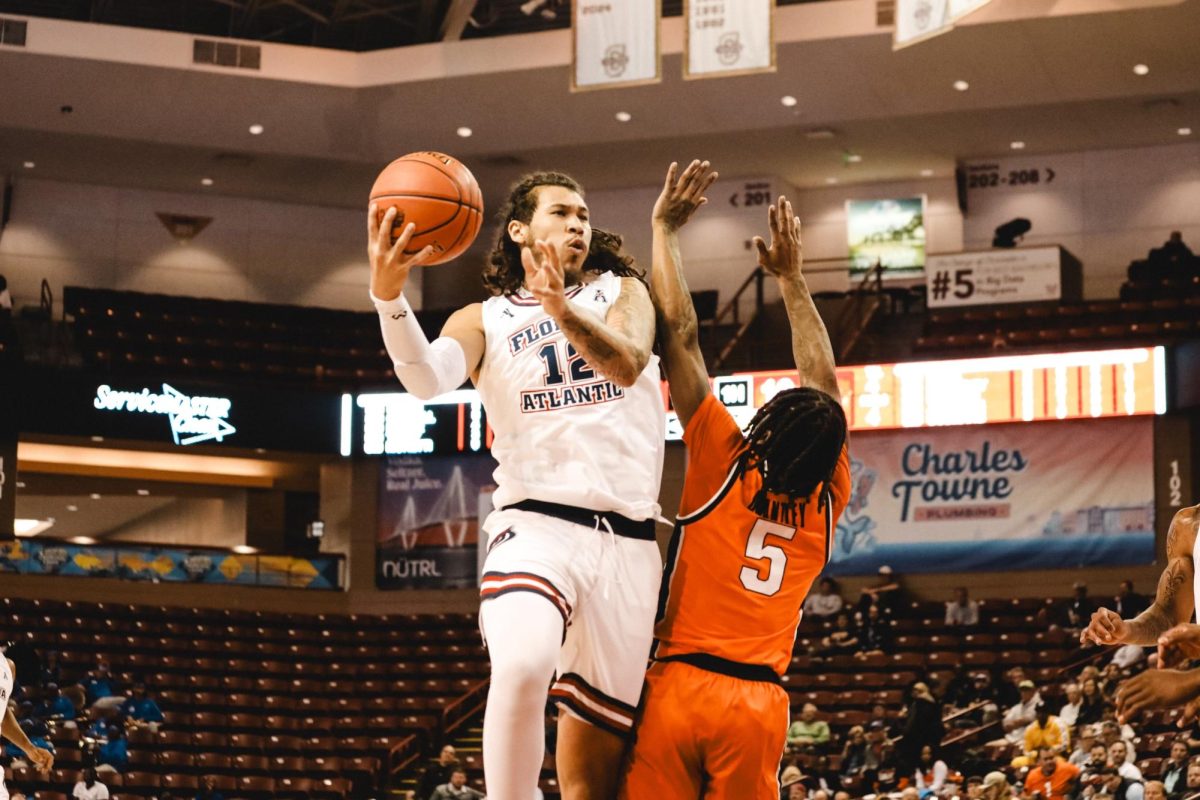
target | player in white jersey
[
  {"x": 561, "y": 355},
  {"x": 42, "y": 759}
]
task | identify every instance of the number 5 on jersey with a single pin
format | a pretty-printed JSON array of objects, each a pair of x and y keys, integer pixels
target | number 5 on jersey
[{"x": 757, "y": 549}]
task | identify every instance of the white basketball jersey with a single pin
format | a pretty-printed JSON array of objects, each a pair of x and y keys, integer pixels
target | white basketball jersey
[
  {"x": 563, "y": 432},
  {"x": 6, "y": 688}
]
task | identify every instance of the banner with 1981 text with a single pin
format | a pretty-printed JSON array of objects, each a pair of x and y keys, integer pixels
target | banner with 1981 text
[
  {"x": 1038, "y": 495},
  {"x": 728, "y": 37},
  {"x": 615, "y": 43}
]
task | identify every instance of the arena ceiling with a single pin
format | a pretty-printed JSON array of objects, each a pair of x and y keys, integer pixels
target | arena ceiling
[{"x": 1058, "y": 83}]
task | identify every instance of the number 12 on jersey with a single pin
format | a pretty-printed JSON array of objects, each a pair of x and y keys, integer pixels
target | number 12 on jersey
[
  {"x": 578, "y": 368},
  {"x": 757, "y": 549}
]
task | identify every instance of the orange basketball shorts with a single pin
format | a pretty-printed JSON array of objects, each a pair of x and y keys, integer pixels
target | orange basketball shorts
[{"x": 703, "y": 734}]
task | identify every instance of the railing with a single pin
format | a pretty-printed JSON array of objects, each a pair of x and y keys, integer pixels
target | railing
[
  {"x": 406, "y": 752},
  {"x": 864, "y": 301},
  {"x": 732, "y": 308},
  {"x": 401, "y": 755}
]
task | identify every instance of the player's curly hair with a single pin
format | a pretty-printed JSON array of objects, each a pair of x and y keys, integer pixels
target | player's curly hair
[
  {"x": 504, "y": 274},
  {"x": 794, "y": 441}
]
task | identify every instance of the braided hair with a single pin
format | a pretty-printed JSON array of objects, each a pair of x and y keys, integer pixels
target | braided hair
[
  {"x": 794, "y": 441},
  {"x": 504, "y": 274}
]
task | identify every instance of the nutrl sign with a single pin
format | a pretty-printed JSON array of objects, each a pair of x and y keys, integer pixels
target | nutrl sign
[{"x": 193, "y": 419}]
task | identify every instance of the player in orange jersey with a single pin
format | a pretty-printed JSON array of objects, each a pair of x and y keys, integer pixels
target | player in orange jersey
[{"x": 754, "y": 530}]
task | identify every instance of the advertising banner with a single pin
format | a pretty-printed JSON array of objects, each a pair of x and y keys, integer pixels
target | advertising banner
[
  {"x": 134, "y": 562},
  {"x": 431, "y": 509},
  {"x": 615, "y": 43},
  {"x": 988, "y": 277},
  {"x": 728, "y": 37},
  {"x": 1004, "y": 497}
]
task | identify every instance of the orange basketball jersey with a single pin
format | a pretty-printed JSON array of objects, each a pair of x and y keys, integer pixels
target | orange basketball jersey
[{"x": 734, "y": 582}]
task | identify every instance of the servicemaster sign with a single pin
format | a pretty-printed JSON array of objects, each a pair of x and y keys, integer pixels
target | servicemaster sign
[{"x": 193, "y": 419}]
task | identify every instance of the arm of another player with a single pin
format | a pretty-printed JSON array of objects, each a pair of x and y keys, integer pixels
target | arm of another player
[
  {"x": 687, "y": 375},
  {"x": 782, "y": 258},
  {"x": 1173, "y": 602},
  {"x": 43, "y": 760},
  {"x": 618, "y": 347},
  {"x": 425, "y": 369}
]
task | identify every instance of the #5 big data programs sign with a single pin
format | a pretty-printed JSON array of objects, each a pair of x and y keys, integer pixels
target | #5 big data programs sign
[
  {"x": 1019, "y": 275},
  {"x": 728, "y": 37},
  {"x": 614, "y": 43}
]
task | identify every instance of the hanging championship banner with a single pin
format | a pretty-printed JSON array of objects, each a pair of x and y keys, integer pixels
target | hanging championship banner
[
  {"x": 614, "y": 43},
  {"x": 917, "y": 20},
  {"x": 728, "y": 37}
]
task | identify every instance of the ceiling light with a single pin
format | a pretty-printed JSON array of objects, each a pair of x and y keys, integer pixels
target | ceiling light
[
  {"x": 1184, "y": 131},
  {"x": 143, "y": 492},
  {"x": 926, "y": 173},
  {"x": 82, "y": 540},
  {"x": 31, "y": 527},
  {"x": 29, "y": 165},
  {"x": 1141, "y": 69},
  {"x": 831, "y": 181},
  {"x": 244, "y": 549},
  {"x": 961, "y": 86},
  {"x": 72, "y": 507},
  {"x": 256, "y": 129},
  {"x": 95, "y": 495},
  {"x": 206, "y": 181},
  {"x": 788, "y": 100},
  {"x": 623, "y": 116},
  {"x": 464, "y": 132},
  {"x": 853, "y": 158},
  {"x": 1017, "y": 145},
  {"x": 97, "y": 438},
  {"x": 819, "y": 133}
]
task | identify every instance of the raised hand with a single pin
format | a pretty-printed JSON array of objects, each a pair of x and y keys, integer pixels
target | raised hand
[
  {"x": 544, "y": 277},
  {"x": 783, "y": 257},
  {"x": 682, "y": 194},
  {"x": 389, "y": 263},
  {"x": 1106, "y": 627},
  {"x": 1181, "y": 643}
]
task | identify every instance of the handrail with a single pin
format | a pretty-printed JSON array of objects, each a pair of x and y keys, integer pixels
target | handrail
[
  {"x": 394, "y": 764},
  {"x": 732, "y": 304},
  {"x": 970, "y": 734},
  {"x": 861, "y": 318},
  {"x": 476, "y": 696},
  {"x": 756, "y": 278}
]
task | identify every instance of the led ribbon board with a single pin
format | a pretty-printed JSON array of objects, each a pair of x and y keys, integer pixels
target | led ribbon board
[{"x": 192, "y": 419}]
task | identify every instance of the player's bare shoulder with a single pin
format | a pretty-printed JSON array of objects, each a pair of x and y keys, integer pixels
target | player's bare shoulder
[{"x": 1181, "y": 536}]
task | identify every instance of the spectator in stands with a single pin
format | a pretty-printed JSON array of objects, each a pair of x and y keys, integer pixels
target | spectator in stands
[
  {"x": 1068, "y": 714},
  {"x": 140, "y": 710},
  {"x": 887, "y": 593},
  {"x": 1129, "y": 603},
  {"x": 826, "y": 601},
  {"x": 1085, "y": 740},
  {"x": 931, "y": 772},
  {"x": 208, "y": 789},
  {"x": 89, "y": 787},
  {"x": 879, "y": 714},
  {"x": 1154, "y": 790},
  {"x": 101, "y": 689},
  {"x": 1008, "y": 693},
  {"x": 841, "y": 640},
  {"x": 922, "y": 727},
  {"x": 1118, "y": 756},
  {"x": 1079, "y": 609},
  {"x": 957, "y": 688},
  {"x": 1174, "y": 769},
  {"x": 1052, "y": 778},
  {"x": 875, "y": 633},
  {"x": 1111, "y": 733},
  {"x": 456, "y": 788},
  {"x": 858, "y": 758},
  {"x": 1193, "y": 779},
  {"x": 808, "y": 733},
  {"x": 1110, "y": 680},
  {"x": 1097, "y": 761},
  {"x": 1045, "y": 732},
  {"x": 437, "y": 773},
  {"x": 981, "y": 690},
  {"x": 51, "y": 668},
  {"x": 1091, "y": 703},
  {"x": 996, "y": 787},
  {"x": 791, "y": 776},
  {"x": 962, "y": 611},
  {"x": 1116, "y": 786},
  {"x": 1017, "y": 718},
  {"x": 974, "y": 787},
  {"x": 113, "y": 754},
  {"x": 54, "y": 705}
]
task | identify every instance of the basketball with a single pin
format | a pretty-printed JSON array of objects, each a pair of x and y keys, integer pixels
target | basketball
[{"x": 439, "y": 195}]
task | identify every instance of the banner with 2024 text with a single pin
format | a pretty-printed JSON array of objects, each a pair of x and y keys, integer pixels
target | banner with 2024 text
[
  {"x": 729, "y": 37},
  {"x": 615, "y": 43},
  {"x": 1038, "y": 495}
]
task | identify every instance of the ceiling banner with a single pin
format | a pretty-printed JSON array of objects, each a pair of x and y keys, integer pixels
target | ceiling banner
[
  {"x": 614, "y": 43},
  {"x": 918, "y": 20},
  {"x": 728, "y": 37}
]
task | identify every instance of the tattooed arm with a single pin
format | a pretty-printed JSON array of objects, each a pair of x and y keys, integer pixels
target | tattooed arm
[{"x": 1173, "y": 603}]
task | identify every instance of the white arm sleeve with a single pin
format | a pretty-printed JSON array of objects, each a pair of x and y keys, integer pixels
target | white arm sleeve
[{"x": 425, "y": 369}]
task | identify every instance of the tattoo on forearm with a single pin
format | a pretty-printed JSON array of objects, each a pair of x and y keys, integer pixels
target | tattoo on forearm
[{"x": 1160, "y": 616}]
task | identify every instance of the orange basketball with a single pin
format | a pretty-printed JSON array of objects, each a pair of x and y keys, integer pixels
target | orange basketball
[{"x": 436, "y": 193}]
